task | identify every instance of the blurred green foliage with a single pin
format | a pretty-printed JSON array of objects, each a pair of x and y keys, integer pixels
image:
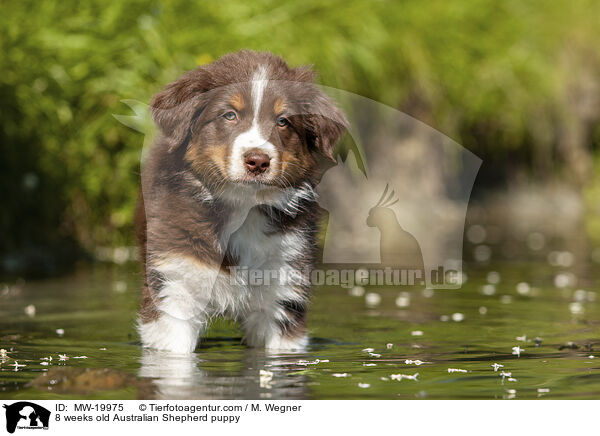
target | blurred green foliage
[{"x": 513, "y": 80}]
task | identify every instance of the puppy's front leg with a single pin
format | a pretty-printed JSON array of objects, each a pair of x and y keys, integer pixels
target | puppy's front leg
[
  {"x": 169, "y": 333},
  {"x": 175, "y": 300},
  {"x": 279, "y": 326}
]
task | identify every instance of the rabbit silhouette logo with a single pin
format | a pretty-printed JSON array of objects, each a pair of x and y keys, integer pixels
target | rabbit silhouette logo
[{"x": 26, "y": 415}]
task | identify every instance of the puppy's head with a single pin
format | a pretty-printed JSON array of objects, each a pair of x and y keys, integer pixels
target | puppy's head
[{"x": 249, "y": 119}]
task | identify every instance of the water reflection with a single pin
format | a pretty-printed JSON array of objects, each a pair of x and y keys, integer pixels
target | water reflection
[{"x": 259, "y": 375}]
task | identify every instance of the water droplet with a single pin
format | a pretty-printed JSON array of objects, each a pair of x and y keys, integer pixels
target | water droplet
[
  {"x": 357, "y": 291},
  {"x": 523, "y": 288},
  {"x": 564, "y": 279},
  {"x": 372, "y": 299},
  {"x": 403, "y": 299},
  {"x": 536, "y": 241},
  {"x": 30, "y": 311},
  {"x": 482, "y": 253},
  {"x": 428, "y": 293},
  {"x": 488, "y": 289},
  {"x": 476, "y": 234},
  {"x": 458, "y": 317},
  {"x": 493, "y": 277},
  {"x": 576, "y": 308},
  {"x": 119, "y": 286}
]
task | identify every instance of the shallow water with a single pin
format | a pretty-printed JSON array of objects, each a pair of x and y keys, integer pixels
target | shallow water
[{"x": 96, "y": 309}]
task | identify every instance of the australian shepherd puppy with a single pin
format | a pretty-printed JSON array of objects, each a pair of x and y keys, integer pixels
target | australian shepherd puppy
[{"x": 228, "y": 214}]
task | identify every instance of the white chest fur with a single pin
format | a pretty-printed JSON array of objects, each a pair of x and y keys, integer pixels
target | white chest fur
[
  {"x": 254, "y": 245},
  {"x": 192, "y": 292},
  {"x": 269, "y": 255}
]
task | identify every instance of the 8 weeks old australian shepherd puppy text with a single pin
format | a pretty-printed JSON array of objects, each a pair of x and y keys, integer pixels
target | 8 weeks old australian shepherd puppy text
[{"x": 230, "y": 183}]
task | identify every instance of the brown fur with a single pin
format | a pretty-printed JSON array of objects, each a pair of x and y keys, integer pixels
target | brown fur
[{"x": 190, "y": 160}]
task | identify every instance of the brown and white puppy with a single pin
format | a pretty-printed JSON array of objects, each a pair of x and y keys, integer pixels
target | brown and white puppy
[{"x": 228, "y": 185}]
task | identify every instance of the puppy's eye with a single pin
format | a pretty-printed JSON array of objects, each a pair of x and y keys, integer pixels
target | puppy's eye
[
  {"x": 283, "y": 122},
  {"x": 230, "y": 116}
]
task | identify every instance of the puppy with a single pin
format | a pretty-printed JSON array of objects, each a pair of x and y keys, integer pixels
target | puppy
[{"x": 228, "y": 214}]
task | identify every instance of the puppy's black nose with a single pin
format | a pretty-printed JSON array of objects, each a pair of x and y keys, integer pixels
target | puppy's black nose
[{"x": 257, "y": 162}]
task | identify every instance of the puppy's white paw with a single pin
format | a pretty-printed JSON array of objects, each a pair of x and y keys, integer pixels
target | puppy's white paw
[{"x": 170, "y": 334}]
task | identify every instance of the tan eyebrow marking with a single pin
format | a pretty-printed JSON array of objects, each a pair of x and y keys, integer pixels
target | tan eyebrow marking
[
  {"x": 237, "y": 101},
  {"x": 279, "y": 106}
]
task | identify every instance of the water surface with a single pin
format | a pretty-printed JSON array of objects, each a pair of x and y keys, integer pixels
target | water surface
[{"x": 447, "y": 343}]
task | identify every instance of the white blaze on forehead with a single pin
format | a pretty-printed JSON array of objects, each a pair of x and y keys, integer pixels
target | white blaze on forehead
[
  {"x": 259, "y": 83},
  {"x": 252, "y": 138}
]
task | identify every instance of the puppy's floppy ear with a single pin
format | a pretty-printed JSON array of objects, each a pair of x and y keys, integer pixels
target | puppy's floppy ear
[
  {"x": 174, "y": 108},
  {"x": 325, "y": 124}
]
